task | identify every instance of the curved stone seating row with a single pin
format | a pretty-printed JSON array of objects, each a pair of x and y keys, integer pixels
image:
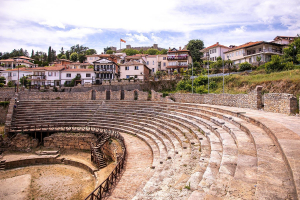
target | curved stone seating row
[{"x": 237, "y": 158}]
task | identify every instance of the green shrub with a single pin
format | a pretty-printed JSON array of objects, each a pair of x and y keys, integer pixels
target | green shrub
[
  {"x": 276, "y": 64},
  {"x": 201, "y": 89},
  {"x": 10, "y": 84},
  {"x": 1, "y": 84},
  {"x": 245, "y": 66},
  {"x": 213, "y": 85}
]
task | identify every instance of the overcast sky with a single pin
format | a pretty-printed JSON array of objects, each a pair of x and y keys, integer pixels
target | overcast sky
[{"x": 38, "y": 24}]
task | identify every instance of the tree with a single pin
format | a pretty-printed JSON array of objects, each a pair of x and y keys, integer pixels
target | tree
[
  {"x": 290, "y": 53},
  {"x": 62, "y": 52},
  {"x": 109, "y": 52},
  {"x": 258, "y": 59},
  {"x": 194, "y": 46},
  {"x": 163, "y": 51},
  {"x": 53, "y": 55},
  {"x": 130, "y": 52},
  {"x": 219, "y": 58},
  {"x": 62, "y": 56},
  {"x": 49, "y": 55},
  {"x": 74, "y": 57},
  {"x": 68, "y": 55},
  {"x": 152, "y": 51},
  {"x": 32, "y": 53},
  {"x": 2, "y": 79},
  {"x": 81, "y": 58},
  {"x": 106, "y": 49},
  {"x": 91, "y": 52},
  {"x": 276, "y": 64}
]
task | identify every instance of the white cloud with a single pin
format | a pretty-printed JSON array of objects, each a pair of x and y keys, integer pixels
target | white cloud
[{"x": 141, "y": 37}]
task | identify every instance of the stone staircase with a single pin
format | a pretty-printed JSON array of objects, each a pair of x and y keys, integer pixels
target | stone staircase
[
  {"x": 97, "y": 156},
  {"x": 199, "y": 151}
]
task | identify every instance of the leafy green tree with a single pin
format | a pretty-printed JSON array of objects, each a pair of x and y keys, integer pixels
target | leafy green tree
[
  {"x": 91, "y": 52},
  {"x": 74, "y": 57},
  {"x": 245, "y": 66},
  {"x": 91, "y": 67},
  {"x": 141, "y": 51},
  {"x": 258, "y": 59},
  {"x": 81, "y": 58},
  {"x": 2, "y": 80},
  {"x": 130, "y": 52},
  {"x": 152, "y": 51},
  {"x": 68, "y": 55},
  {"x": 109, "y": 52},
  {"x": 63, "y": 57},
  {"x": 24, "y": 81},
  {"x": 10, "y": 84},
  {"x": 219, "y": 58},
  {"x": 194, "y": 46},
  {"x": 290, "y": 53},
  {"x": 163, "y": 51},
  {"x": 276, "y": 64}
]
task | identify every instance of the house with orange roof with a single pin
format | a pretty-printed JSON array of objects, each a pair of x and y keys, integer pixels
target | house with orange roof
[
  {"x": 17, "y": 61},
  {"x": 249, "y": 52},
  {"x": 152, "y": 63},
  {"x": 214, "y": 51},
  {"x": 78, "y": 65},
  {"x": 16, "y": 74},
  {"x": 46, "y": 75},
  {"x": 84, "y": 76},
  {"x": 178, "y": 59},
  {"x": 286, "y": 40},
  {"x": 134, "y": 69}
]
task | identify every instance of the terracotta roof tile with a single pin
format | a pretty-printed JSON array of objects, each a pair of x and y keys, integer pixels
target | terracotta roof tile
[
  {"x": 78, "y": 70},
  {"x": 243, "y": 46},
  {"x": 214, "y": 45}
]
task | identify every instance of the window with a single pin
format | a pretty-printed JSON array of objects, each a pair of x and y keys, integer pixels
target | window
[
  {"x": 236, "y": 53},
  {"x": 152, "y": 69},
  {"x": 164, "y": 58},
  {"x": 68, "y": 75},
  {"x": 88, "y": 75},
  {"x": 136, "y": 67},
  {"x": 49, "y": 73},
  {"x": 126, "y": 68},
  {"x": 164, "y": 64},
  {"x": 14, "y": 74},
  {"x": 153, "y": 62},
  {"x": 68, "y": 82},
  {"x": 127, "y": 76},
  {"x": 78, "y": 75},
  {"x": 147, "y": 62}
]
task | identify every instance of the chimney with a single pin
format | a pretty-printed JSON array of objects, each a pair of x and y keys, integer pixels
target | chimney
[
  {"x": 217, "y": 42},
  {"x": 169, "y": 48},
  {"x": 179, "y": 48}
]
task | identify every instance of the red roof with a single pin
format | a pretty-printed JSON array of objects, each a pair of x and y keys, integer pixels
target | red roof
[
  {"x": 49, "y": 68},
  {"x": 152, "y": 56},
  {"x": 215, "y": 45},
  {"x": 20, "y": 69},
  {"x": 24, "y": 57},
  {"x": 243, "y": 46},
  {"x": 8, "y": 60},
  {"x": 78, "y": 70}
]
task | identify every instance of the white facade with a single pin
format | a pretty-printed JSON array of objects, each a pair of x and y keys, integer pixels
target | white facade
[
  {"x": 152, "y": 63},
  {"x": 162, "y": 62},
  {"x": 134, "y": 69},
  {"x": 12, "y": 75},
  {"x": 86, "y": 75},
  {"x": 214, "y": 51}
]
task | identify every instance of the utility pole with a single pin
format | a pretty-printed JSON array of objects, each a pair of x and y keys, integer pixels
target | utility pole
[
  {"x": 192, "y": 77},
  {"x": 223, "y": 75},
  {"x": 18, "y": 76}
]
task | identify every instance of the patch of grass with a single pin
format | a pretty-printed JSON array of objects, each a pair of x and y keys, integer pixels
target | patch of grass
[{"x": 188, "y": 186}]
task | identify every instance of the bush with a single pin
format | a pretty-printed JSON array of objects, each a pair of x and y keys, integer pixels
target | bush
[
  {"x": 276, "y": 64},
  {"x": 201, "y": 89},
  {"x": 10, "y": 84},
  {"x": 213, "y": 85},
  {"x": 289, "y": 66},
  {"x": 1, "y": 84},
  {"x": 245, "y": 66}
]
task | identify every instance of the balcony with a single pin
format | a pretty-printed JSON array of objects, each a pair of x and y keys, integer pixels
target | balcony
[
  {"x": 178, "y": 65},
  {"x": 271, "y": 51},
  {"x": 37, "y": 77},
  {"x": 104, "y": 70},
  {"x": 181, "y": 57}
]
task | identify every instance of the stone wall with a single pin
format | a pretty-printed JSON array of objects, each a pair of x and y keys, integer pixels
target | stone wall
[
  {"x": 23, "y": 141},
  {"x": 55, "y": 95},
  {"x": 128, "y": 95},
  {"x": 9, "y": 115},
  {"x": 280, "y": 103},
  {"x": 6, "y": 94},
  {"x": 115, "y": 95},
  {"x": 70, "y": 140},
  {"x": 3, "y": 113},
  {"x": 100, "y": 95},
  {"x": 252, "y": 100},
  {"x": 156, "y": 96},
  {"x": 142, "y": 96}
]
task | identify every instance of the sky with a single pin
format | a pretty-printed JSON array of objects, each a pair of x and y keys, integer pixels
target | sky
[{"x": 38, "y": 24}]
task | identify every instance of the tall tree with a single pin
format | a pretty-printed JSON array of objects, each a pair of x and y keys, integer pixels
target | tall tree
[
  {"x": 68, "y": 55},
  {"x": 62, "y": 52},
  {"x": 32, "y": 53},
  {"x": 49, "y": 55},
  {"x": 53, "y": 55},
  {"x": 91, "y": 52},
  {"x": 195, "y": 46},
  {"x": 74, "y": 57},
  {"x": 81, "y": 58}
]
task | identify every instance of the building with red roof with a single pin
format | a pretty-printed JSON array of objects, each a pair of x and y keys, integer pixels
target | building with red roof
[
  {"x": 178, "y": 59},
  {"x": 214, "y": 51}
]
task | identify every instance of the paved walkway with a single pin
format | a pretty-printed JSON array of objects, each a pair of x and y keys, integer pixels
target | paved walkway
[{"x": 137, "y": 170}]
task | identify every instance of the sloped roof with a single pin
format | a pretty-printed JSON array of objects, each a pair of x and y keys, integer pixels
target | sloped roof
[
  {"x": 20, "y": 69},
  {"x": 130, "y": 63},
  {"x": 54, "y": 68},
  {"x": 78, "y": 70},
  {"x": 244, "y": 46},
  {"x": 213, "y": 46}
]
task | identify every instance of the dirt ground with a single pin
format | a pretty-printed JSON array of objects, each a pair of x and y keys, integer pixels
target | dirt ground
[{"x": 51, "y": 181}]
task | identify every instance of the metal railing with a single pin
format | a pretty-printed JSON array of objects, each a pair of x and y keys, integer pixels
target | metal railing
[{"x": 106, "y": 186}]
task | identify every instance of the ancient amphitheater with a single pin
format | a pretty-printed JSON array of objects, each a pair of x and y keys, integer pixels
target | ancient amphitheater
[{"x": 197, "y": 150}]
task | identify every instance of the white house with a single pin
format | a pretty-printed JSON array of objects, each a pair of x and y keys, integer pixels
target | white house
[
  {"x": 46, "y": 75},
  {"x": 214, "y": 51},
  {"x": 105, "y": 70},
  {"x": 85, "y": 76},
  {"x": 152, "y": 63},
  {"x": 135, "y": 70},
  {"x": 13, "y": 74}
]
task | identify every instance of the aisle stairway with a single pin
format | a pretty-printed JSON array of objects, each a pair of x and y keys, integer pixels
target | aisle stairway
[{"x": 199, "y": 151}]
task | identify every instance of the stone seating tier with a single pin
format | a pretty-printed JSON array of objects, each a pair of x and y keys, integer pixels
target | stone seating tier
[{"x": 215, "y": 152}]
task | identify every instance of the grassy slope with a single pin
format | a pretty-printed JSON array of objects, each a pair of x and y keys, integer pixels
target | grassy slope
[{"x": 278, "y": 82}]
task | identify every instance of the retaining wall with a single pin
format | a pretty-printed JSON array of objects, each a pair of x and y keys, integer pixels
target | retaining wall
[
  {"x": 55, "y": 95},
  {"x": 3, "y": 113},
  {"x": 6, "y": 94},
  {"x": 280, "y": 103},
  {"x": 252, "y": 100},
  {"x": 70, "y": 141}
]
